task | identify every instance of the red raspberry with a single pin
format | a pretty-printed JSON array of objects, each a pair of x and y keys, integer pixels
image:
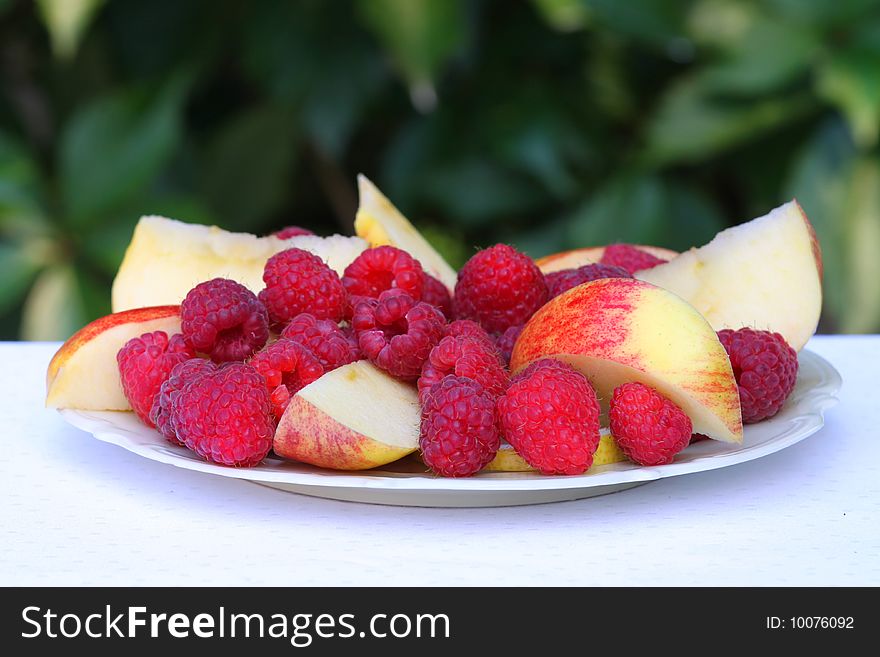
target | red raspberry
[
  {"x": 329, "y": 343},
  {"x": 383, "y": 268},
  {"x": 565, "y": 279},
  {"x": 629, "y": 257},
  {"x": 438, "y": 295},
  {"x": 499, "y": 288},
  {"x": 144, "y": 363},
  {"x": 467, "y": 357},
  {"x": 291, "y": 231},
  {"x": 765, "y": 367},
  {"x": 397, "y": 333},
  {"x": 550, "y": 415},
  {"x": 161, "y": 413},
  {"x": 648, "y": 427},
  {"x": 287, "y": 367},
  {"x": 225, "y": 416},
  {"x": 224, "y": 319},
  {"x": 459, "y": 434},
  {"x": 505, "y": 342},
  {"x": 467, "y": 328},
  {"x": 300, "y": 282}
]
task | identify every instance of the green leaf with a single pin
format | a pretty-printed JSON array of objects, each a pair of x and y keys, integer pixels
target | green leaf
[
  {"x": 21, "y": 206},
  {"x": 420, "y": 36},
  {"x": 53, "y": 309},
  {"x": 823, "y": 13},
  {"x": 19, "y": 263},
  {"x": 331, "y": 82},
  {"x": 691, "y": 125},
  {"x": 247, "y": 169},
  {"x": 629, "y": 208},
  {"x": 862, "y": 241},
  {"x": 840, "y": 192},
  {"x": 475, "y": 193},
  {"x": 563, "y": 15},
  {"x": 644, "y": 209},
  {"x": 768, "y": 55},
  {"x": 721, "y": 23},
  {"x": 656, "y": 22},
  {"x": 849, "y": 79},
  {"x": 692, "y": 218},
  {"x": 67, "y": 21},
  {"x": 115, "y": 147}
]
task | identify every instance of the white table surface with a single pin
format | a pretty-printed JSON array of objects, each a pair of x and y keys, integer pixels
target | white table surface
[{"x": 77, "y": 511}]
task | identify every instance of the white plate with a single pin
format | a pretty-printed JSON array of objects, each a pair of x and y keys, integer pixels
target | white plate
[{"x": 406, "y": 483}]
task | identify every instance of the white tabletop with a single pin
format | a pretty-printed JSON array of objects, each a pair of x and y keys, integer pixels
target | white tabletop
[{"x": 76, "y": 511}]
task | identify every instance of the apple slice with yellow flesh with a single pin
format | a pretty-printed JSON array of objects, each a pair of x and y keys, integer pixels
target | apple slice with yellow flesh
[
  {"x": 380, "y": 223},
  {"x": 352, "y": 418},
  {"x": 765, "y": 274},
  {"x": 508, "y": 460},
  {"x": 83, "y": 373},
  {"x": 590, "y": 254},
  {"x": 617, "y": 330},
  {"x": 166, "y": 259}
]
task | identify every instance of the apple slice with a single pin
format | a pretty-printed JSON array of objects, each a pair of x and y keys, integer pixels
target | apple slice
[
  {"x": 507, "y": 459},
  {"x": 764, "y": 274},
  {"x": 590, "y": 254},
  {"x": 353, "y": 418},
  {"x": 617, "y": 330},
  {"x": 380, "y": 223},
  {"x": 83, "y": 373},
  {"x": 167, "y": 258}
]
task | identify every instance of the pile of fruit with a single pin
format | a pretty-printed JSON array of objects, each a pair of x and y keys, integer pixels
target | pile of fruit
[{"x": 353, "y": 352}]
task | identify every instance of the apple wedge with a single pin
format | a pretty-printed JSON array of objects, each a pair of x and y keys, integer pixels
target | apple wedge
[
  {"x": 83, "y": 373},
  {"x": 617, "y": 330},
  {"x": 507, "y": 459},
  {"x": 764, "y": 274},
  {"x": 353, "y": 418},
  {"x": 167, "y": 258},
  {"x": 380, "y": 223},
  {"x": 590, "y": 254}
]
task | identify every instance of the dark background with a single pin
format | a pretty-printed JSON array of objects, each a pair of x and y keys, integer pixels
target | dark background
[{"x": 548, "y": 124}]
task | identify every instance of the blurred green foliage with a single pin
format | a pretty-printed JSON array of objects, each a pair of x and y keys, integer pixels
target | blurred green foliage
[{"x": 549, "y": 124}]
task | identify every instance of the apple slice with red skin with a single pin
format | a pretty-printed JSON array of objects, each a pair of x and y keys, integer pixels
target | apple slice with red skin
[
  {"x": 617, "y": 330},
  {"x": 83, "y": 374},
  {"x": 353, "y": 418}
]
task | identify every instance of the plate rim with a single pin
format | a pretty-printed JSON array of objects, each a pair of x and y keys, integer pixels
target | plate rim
[{"x": 817, "y": 399}]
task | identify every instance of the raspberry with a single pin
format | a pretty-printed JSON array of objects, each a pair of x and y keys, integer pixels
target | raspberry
[
  {"x": 505, "y": 342},
  {"x": 291, "y": 231},
  {"x": 463, "y": 356},
  {"x": 765, "y": 367},
  {"x": 648, "y": 427},
  {"x": 225, "y": 416},
  {"x": 629, "y": 257},
  {"x": 329, "y": 343},
  {"x": 438, "y": 295},
  {"x": 300, "y": 282},
  {"x": 459, "y": 433},
  {"x": 144, "y": 363},
  {"x": 550, "y": 415},
  {"x": 499, "y": 288},
  {"x": 565, "y": 279},
  {"x": 397, "y": 333},
  {"x": 287, "y": 366},
  {"x": 224, "y": 319},
  {"x": 161, "y": 413},
  {"x": 383, "y": 268},
  {"x": 468, "y": 328}
]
